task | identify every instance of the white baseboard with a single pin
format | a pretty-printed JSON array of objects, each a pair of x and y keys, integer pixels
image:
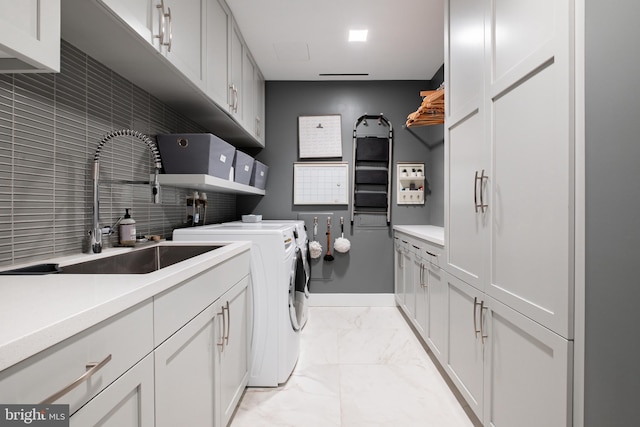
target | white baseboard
[{"x": 352, "y": 300}]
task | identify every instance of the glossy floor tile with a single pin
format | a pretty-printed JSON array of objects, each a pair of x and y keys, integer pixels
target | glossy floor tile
[{"x": 358, "y": 367}]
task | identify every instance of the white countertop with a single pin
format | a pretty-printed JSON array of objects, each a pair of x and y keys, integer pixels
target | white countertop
[
  {"x": 37, "y": 312},
  {"x": 431, "y": 233}
]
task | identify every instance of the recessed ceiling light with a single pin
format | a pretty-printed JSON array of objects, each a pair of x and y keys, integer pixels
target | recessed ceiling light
[{"x": 358, "y": 35}]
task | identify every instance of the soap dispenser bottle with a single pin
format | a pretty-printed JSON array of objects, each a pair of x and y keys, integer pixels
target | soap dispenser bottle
[{"x": 127, "y": 230}]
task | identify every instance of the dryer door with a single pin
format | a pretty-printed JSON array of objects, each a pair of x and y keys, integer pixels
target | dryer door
[{"x": 297, "y": 287}]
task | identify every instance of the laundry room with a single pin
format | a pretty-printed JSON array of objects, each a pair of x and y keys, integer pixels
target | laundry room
[{"x": 237, "y": 213}]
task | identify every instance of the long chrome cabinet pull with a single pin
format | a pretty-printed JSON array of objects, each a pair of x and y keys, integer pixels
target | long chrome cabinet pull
[
  {"x": 161, "y": 13},
  {"x": 170, "y": 30},
  {"x": 224, "y": 328},
  {"x": 92, "y": 368},
  {"x": 483, "y": 177},
  {"x": 226, "y": 337},
  {"x": 476, "y": 331},
  {"x": 475, "y": 192},
  {"x": 482, "y": 309}
]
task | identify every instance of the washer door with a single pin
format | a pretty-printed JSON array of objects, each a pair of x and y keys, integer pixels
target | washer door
[{"x": 297, "y": 287}]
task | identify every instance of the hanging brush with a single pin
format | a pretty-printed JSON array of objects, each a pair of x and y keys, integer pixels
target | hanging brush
[
  {"x": 315, "y": 248},
  {"x": 341, "y": 244},
  {"x": 328, "y": 256}
]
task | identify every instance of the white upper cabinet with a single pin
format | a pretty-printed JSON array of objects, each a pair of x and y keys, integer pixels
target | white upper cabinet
[
  {"x": 184, "y": 37},
  {"x": 218, "y": 51},
  {"x": 29, "y": 36},
  {"x": 236, "y": 57},
  {"x": 142, "y": 16}
]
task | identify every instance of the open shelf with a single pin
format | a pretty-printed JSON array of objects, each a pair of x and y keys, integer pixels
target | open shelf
[{"x": 209, "y": 183}]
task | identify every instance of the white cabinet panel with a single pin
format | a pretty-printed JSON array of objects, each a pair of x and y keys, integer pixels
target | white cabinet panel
[
  {"x": 185, "y": 374},
  {"x": 467, "y": 225},
  {"x": 143, "y": 16},
  {"x": 233, "y": 361},
  {"x": 186, "y": 23},
  {"x": 532, "y": 225},
  {"x": 235, "y": 73},
  {"x": 128, "y": 402},
  {"x": 520, "y": 27},
  {"x": 527, "y": 371},
  {"x": 465, "y": 358},
  {"x": 29, "y": 36},
  {"x": 218, "y": 27},
  {"x": 421, "y": 292},
  {"x": 464, "y": 50},
  {"x": 437, "y": 322}
]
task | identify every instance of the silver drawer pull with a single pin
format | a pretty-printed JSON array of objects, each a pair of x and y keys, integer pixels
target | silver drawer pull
[{"x": 92, "y": 367}]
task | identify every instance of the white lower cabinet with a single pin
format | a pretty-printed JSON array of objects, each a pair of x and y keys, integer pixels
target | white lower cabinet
[
  {"x": 420, "y": 289},
  {"x": 128, "y": 402},
  {"x": 202, "y": 368},
  {"x": 509, "y": 369}
]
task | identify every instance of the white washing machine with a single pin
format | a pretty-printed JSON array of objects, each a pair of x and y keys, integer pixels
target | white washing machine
[
  {"x": 301, "y": 297},
  {"x": 275, "y": 328}
]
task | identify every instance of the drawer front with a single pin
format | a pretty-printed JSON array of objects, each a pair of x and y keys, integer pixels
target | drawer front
[
  {"x": 178, "y": 305},
  {"x": 127, "y": 337}
]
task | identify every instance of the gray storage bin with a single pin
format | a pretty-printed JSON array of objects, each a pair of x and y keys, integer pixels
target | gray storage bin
[
  {"x": 199, "y": 153},
  {"x": 242, "y": 167},
  {"x": 259, "y": 175}
]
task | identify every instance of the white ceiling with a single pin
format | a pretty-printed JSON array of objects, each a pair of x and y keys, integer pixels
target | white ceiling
[{"x": 301, "y": 39}]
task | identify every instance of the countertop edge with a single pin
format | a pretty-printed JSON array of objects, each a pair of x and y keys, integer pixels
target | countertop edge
[
  {"x": 16, "y": 350},
  {"x": 430, "y": 233}
]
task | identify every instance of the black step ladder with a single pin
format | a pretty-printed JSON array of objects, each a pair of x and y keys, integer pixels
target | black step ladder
[{"x": 371, "y": 173}]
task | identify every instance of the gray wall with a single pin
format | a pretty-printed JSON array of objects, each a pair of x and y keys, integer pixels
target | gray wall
[
  {"x": 612, "y": 214},
  {"x": 368, "y": 267},
  {"x": 50, "y": 125}
]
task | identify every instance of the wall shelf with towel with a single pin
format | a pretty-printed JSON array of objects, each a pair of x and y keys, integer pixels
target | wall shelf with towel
[{"x": 209, "y": 183}]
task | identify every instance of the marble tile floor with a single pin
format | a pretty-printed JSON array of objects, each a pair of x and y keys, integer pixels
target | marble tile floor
[{"x": 358, "y": 367}]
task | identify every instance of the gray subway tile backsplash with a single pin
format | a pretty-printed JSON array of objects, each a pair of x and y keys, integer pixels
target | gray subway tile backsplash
[{"x": 50, "y": 125}]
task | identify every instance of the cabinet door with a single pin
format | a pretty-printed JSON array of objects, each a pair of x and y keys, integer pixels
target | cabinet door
[
  {"x": 127, "y": 402},
  {"x": 248, "y": 93},
  {"x": 436, "y": 327},
  {"x": 421, "y": 292},
  {"x": 259, "y": 111},
  {"x": 29, "y": 36},
  {"x": 186, "y": 23},
  {"x": 467, "y": 224},
  {"x": 185, "y": 374},
  {"x": 466, "y": 145},
  {"x": 527, "y": 371},
  {"x": 142, "y": 16},
  {"x": 233, "y": 362},
  {"x": 532, "y": 144},
  {"x": 218, "y": 27},
  {"x": 465, "y": 359},
  {"x": 398, "y": 271},
  {"x": 235, "y": 72}
]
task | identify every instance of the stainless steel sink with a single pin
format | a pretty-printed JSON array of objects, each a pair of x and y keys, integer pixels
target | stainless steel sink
[{"x": 140, "y": 261}]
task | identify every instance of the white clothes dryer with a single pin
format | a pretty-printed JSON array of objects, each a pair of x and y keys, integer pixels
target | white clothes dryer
[
  {"x": 301, "y": 297},
  {"x": 275, "y": 328}
]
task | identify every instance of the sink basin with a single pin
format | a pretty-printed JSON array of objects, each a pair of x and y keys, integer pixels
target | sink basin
[{"x": 139, "y": 261}]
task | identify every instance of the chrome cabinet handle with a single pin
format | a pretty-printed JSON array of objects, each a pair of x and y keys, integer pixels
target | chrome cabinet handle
[
  {"x": 226, "y": 337},
  {"x": 483, "y": 205},
  {"x": 476, "y": 331},
  {"x": 168, "y": 15},
  {"x": 92, "y": 368},
  {"x": 475, "y": 191},
  {"x": 161, "y": 13},
  {"x": 482, "y": 309},
  {"x": 224, "y": 328}
]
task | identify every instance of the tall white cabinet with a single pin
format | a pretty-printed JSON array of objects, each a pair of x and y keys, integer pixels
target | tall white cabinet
[{"x": 509, "y": 207}]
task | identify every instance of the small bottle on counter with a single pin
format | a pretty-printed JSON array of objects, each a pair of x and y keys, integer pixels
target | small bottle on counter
[
  {"x": 203, "y": 207},
  {"x": 193, "y": 209},
  {"x": 127, "y": 230}
]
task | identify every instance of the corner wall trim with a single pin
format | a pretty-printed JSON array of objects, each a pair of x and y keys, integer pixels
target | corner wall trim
[{"x": 352, "y": 300}]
